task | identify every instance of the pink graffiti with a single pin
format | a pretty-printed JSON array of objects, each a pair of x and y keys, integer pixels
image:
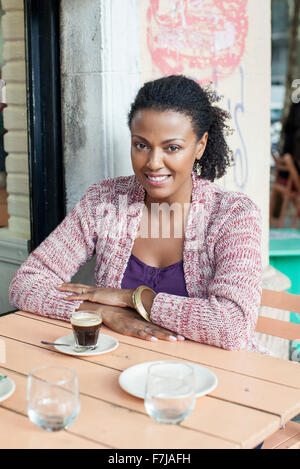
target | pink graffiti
[{"x": 202, "y": 37}]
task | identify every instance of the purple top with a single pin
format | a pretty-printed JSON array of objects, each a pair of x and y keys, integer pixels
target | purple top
[{"x": 168, "y": 279}]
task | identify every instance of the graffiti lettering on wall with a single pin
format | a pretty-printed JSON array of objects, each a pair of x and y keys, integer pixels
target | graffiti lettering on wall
[
  {"x": 197, "y": 37},
  {"x": 205, "y": 40},
  {"x": 240, "y": 154}
]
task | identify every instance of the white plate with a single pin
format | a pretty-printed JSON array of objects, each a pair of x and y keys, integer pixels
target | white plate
[
  {"x": 106, "y": 343},
  {"x": 133, "y": 380},
  {"x": 7, "y": 388}
]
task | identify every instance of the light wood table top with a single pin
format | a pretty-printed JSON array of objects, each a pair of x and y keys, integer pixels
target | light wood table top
[{"x": 255, "y": 396}]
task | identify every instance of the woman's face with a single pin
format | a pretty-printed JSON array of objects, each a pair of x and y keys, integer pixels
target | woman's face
[{"x": 164, "y": 148}]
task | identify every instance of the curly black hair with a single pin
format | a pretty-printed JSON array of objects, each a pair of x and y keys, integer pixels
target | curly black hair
[{"x": 181, "y": 94}]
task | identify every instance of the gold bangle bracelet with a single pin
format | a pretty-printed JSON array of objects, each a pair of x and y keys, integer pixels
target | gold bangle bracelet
[{"x": 137, "y": 301}]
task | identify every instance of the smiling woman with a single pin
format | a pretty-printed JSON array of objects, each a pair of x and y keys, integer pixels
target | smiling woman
[
  {"x": 165, "y": 164},
  {"x": 190, "y": 105},
  {"x": 177, "y": 256}
]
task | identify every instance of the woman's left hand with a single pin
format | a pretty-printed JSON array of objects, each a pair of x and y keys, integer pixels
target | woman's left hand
[{"x": 106, "y": 296}]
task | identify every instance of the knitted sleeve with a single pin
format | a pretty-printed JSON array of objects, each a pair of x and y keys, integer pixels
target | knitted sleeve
[
  {"x": 227, "y": 316},
  {"x": 55, "y": 261}
]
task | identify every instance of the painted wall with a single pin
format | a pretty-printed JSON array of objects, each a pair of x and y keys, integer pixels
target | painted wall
[
  {"x": 227, "y": 43},
  {"x": 100, "y": 73}
]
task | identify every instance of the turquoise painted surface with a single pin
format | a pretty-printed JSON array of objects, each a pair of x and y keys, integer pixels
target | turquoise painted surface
[{"x": 284, "y": 254}]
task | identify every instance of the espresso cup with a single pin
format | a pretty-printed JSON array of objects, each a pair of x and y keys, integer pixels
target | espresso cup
[{"x": 86, "y": 326}]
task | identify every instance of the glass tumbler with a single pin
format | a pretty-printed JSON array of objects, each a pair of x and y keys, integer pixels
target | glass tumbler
[
  {"x": 53, "y": 397},
  {"x": 86, "y": 327},
  {"x": 170, "y": 391}
]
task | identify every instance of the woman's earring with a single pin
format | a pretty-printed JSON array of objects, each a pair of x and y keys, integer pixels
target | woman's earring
[{"x": 198, "y": 169}]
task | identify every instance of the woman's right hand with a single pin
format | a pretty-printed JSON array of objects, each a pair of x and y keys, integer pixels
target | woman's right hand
[{"x": 126, "y": 321}]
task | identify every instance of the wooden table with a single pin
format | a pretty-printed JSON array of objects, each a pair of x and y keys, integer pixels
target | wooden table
[{"x": 256, "y": 394}]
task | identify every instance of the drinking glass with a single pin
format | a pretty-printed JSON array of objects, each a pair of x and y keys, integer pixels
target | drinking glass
[
  {"x": 170, "y": 391},
  {"x": 86, "y": 326},
  {"x": 53, "y": 397}
]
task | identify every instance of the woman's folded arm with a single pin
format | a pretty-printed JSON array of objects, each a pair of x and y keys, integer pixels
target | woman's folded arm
[
  {"x": 55, "y": 261},
  {"x": 226, "y": 317}
]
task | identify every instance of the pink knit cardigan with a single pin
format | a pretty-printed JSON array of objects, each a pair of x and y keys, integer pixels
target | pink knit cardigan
[{"x": 221, "y": 261}]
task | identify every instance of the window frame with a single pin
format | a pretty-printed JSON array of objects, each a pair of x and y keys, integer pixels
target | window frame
[{"x": 45, "y": 146}]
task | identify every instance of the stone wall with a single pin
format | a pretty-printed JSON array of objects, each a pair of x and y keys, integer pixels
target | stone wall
[
  {"x": 14, "y": 239},
  {"x": 15, "y": 118},
  {"x": 100, "y": 75}
]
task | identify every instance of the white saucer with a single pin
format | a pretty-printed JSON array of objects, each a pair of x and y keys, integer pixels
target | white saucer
[
  {"x": 7, "y": 388},
  {"x": 133, "y": 380},
  {"x": 106, "y": 343}
]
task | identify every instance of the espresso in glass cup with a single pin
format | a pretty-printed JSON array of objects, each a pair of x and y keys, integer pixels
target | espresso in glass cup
[{"x": 86, "y": 326}]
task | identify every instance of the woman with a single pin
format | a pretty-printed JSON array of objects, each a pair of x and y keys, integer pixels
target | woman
[
  {"x": 201, "y": 259},
  {"x": 292, "y": 135}
]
